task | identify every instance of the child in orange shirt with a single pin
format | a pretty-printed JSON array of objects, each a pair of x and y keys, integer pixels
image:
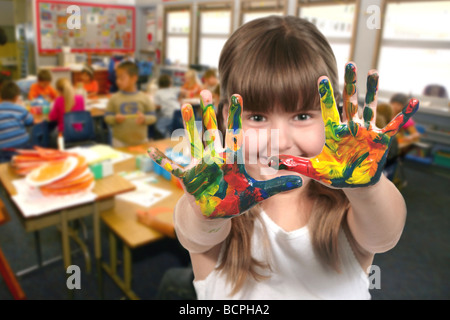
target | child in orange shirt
[
  {"x": 192, "y": 85},
  {"x": 43, "y": 88},
  {"x": 89, "y": 84}
]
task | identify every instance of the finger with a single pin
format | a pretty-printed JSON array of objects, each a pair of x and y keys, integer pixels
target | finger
[
  {"x": 350, "y": 97},
  {"x": 370, "y": 109},
  {"x": 209, "y": 122},
  {"x": 280, "y": 184},
  {"x": 292, "y": 163},
  {"x": 233, "y": 138},
  {"x": 161, "y": 159},
  {"x": 191, "y": 129},
  {"x": 395, "y": 125},
  {"x": 330, "y": 112}
]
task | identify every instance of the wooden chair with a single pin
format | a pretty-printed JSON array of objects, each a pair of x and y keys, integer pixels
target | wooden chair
[{"x": 5, "y": 269}]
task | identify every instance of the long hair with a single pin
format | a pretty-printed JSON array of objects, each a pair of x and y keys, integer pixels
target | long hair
[
  {"x": 66, "y": 89},
  {"x": 274, "y": 64}
]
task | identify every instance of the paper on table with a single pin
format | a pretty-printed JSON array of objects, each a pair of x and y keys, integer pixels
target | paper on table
[
  {"x": 31, "y": 202},
  {"x": 100, "y": 153},
  {"x": 144, "y": 195}
]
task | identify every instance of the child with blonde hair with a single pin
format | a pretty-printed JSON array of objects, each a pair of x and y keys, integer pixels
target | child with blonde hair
[{"x": 67, "y": 101}]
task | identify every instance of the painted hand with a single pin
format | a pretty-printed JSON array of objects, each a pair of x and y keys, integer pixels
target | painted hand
[
  {"x": 355, "y": 150},
  {"x": 217, "y": 181}
]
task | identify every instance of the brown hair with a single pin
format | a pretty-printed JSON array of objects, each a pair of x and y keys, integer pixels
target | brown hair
[
  {"x": 130, "y": 67},
  {"x": 44, "y": 75},
  {"x": 210, "y": 73},
  {"x": 89, "y": 71},
  {"x": 64, "y": 86},
  {"x": 9, "y": 91},
  {"x": 274, "y": 63}
]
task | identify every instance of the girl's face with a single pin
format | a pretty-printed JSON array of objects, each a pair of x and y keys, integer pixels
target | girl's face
[
  {"x": 278, "y": 132},
  {"x": 85, "y": 77}
]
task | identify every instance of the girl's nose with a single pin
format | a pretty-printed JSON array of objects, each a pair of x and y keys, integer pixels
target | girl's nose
[{"x": 281, "y": 137}]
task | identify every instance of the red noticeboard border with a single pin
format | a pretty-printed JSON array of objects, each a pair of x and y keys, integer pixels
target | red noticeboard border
[{"x": 85, "y": 4}]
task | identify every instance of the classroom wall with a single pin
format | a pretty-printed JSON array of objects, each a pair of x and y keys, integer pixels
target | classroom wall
[{"x": 363, "y": 49}]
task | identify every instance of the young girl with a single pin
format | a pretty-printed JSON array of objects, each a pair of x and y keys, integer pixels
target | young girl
[
  {"x": 66, "y": 102},
  {"x": 306, "y": 234},
  {"x": 192, "y": 85},
  {"x": 90, "y": 85}
]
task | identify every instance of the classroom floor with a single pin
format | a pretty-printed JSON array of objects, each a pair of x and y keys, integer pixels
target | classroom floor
[{"x": 417, "y": 268}]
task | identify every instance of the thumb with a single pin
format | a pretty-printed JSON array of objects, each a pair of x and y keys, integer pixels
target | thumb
[{"x": 280, "y": 184}]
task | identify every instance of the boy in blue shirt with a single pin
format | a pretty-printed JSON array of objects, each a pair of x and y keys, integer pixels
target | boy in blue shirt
[{"x": 13, "y": 121}]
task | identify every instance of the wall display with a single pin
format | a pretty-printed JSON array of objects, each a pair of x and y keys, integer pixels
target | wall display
[{"x": 85, "y": 27}]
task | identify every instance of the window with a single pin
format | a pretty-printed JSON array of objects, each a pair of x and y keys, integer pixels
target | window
[
  {"x": 415, "y": 46},
  {"x": 251, "y": 9},
  {"x": 336, "y": 22},
  {"x": 214, "y": 29},
  {"x": 177, "y": 39}
]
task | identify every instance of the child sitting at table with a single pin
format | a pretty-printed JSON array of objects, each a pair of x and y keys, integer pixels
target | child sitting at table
[
  {"x": 129, "y": 111},
  {"x": 210, "y": 80},
  {"x": 14, "y": 119},
  {"x": 66, "y": 102},
  {"x": 192, "y": 85},
  {"x": 90, "y": 85},
  {"x": 167, "y": 101},
  {"x": 43, "y": 88}
]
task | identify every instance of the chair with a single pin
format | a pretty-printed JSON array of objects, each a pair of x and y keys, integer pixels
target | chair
[
  {"x": 435, "y": 90},
  {"x": 40, "y": 135},
  {"x": 177, "y": 120},
  {"x": 5, "y": 269},
  {"x": 78, "y": 129}
]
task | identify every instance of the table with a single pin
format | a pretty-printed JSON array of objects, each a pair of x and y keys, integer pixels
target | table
[
  {"x": 122, "y": 223},
  {"x": 105, "y": 190}
]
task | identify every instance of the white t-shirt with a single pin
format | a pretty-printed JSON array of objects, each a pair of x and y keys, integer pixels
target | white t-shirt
[
  {"x": 296, "y": 271},
  {"x": 167, "y": 98}
]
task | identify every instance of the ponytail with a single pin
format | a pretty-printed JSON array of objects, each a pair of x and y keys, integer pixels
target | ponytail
[{"x": 65, "y": 88}]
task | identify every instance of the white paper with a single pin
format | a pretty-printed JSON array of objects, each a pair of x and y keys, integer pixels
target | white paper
[
  {"x": 144, "y": 195},
  {"x": 31, "y": 202},
  {"x": 100, "y": 153}
]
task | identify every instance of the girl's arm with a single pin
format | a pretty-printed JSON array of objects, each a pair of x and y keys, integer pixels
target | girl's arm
[
  {"x": 377, "y": 215},
  {"x": 195, "y": 232}
]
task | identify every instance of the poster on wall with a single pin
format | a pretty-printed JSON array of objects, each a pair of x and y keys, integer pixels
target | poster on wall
[{"x": 85, "y": 27}]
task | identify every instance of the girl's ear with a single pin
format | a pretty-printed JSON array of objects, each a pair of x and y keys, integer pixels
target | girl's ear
[{"x": 225, "y": 115}]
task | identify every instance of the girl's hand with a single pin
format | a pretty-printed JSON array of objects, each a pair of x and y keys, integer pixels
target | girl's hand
[
  {"x": 355, "y": 150},
  {"x": 217, "y": 181}
]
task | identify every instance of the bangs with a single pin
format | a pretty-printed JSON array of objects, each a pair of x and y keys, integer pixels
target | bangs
[{"x": 277, "y": 67}]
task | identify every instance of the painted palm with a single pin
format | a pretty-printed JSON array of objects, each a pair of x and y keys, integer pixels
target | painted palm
[
  {"x": 217, "y": 179},
  {"x": 355, "y": 150}
]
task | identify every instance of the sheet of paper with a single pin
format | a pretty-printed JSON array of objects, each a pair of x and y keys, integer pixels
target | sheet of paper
[
  {"x": 100, "y": 153},
  {"x": 31, "y": 202},
  {"x": 144, "y": 195}
]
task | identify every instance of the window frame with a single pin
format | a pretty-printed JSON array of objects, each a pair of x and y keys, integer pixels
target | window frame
[
  {"x": 213, "y": 7},
  {"x": 405, "y": 43},
  {"x": 244, "y": 9},
  {"x": 176, "y": 8}
]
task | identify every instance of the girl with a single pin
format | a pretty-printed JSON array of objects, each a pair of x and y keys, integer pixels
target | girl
[
  {"x": 192, "y": 85},
  {"x": 308, "y": 234},
  {"x": 66, "y": 102},
  {"x": 90, "y": 85}
]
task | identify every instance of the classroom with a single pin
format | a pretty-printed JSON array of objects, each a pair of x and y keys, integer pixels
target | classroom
[{"x": 97, "y": 98}]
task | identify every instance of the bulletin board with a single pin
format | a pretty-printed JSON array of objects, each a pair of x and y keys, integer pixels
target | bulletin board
[{"x": 102, "y": 28}]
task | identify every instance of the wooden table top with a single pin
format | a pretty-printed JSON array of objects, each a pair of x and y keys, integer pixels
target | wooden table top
[{"x": 122, "y": 219}]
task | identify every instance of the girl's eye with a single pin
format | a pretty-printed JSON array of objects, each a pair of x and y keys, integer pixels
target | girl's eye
[
  {"x": 257, "y": 118},
  {"x": 302, "y": 117}
]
